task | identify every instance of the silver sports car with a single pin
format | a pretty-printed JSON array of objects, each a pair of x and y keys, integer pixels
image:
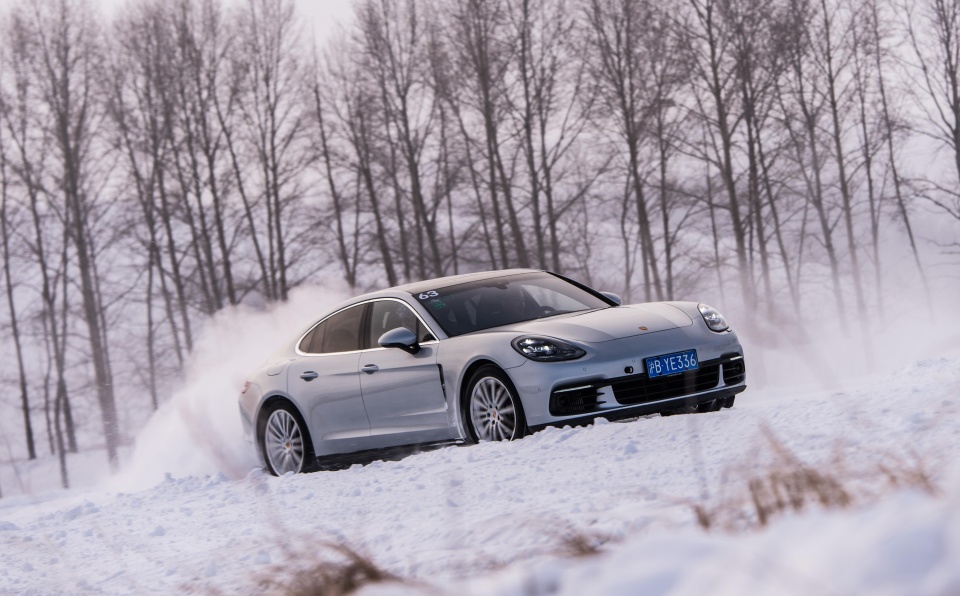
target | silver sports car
[{"x": 482, "y": 357}]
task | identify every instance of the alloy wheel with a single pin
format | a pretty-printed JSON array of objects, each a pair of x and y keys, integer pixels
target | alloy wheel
[
  {"x": 283, "y": 443},
  {"x": 492, "y": 411}
]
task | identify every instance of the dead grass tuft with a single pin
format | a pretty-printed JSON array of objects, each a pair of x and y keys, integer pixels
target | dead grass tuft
[
  {"x": 907, "y": 469},
  {"x": 579, "y": 543},
  {"x": 787, "y": 484},
  {"x": 335, "y": 570},
  {"x": 793, "y": 489}
]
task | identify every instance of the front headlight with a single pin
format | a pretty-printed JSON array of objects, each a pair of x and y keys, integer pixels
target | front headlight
[
  {"x": 713, "y": 318},
  {"x": 546, "y": 349}
]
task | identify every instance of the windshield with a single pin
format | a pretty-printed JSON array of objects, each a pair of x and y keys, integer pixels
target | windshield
[{"x": 478, "y": 305}]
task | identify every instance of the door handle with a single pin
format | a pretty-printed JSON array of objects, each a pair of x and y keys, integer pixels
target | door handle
[
  {"x": 370, "y": 368},
  {"x": 309, "y": 376}
]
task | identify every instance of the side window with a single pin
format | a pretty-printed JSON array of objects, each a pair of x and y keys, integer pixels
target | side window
[
  {"x": 386, "y": 315},
  {"x": 312, "y": 342},
  {"x": 342, "y": 331}
]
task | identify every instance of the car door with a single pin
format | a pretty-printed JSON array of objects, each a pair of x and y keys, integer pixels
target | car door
[
  {"x": 402, "y": 392},
  {"x": 325, "y": 382}
]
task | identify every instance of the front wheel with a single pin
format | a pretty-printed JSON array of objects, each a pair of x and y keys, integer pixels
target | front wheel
[
  {"x": 494, "y": 411},
  {"x": 285, "y": 440}
]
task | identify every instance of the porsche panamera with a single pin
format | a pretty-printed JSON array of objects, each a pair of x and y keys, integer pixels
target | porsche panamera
[{"x": 482, "y": 357}]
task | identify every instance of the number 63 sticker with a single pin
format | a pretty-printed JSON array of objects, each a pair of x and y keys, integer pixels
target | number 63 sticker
[{"x": 426, "y": 295}]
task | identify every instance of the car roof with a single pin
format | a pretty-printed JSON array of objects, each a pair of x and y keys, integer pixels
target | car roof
[
  {"x": 430, "y": 284},
  {"x": 440, "y": 282}
]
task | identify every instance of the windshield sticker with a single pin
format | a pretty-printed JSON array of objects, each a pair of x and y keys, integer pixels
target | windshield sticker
[
  {"x": 437, "y": 304},
  {"x": 428, "y": 295}
]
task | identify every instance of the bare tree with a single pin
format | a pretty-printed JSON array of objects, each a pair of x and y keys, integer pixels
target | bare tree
[
  {"x": 201, "y": 45},
  {"x": 754, "y": 39},
  {"x": 933, "y": 28},
  {"x": 891, "y": 130},
  {"x": 484, "y": 56},
  {"x": 68, "y": 43},
  {"x": 142, "y": 121},
  {"x": 445, "y": 79},
  {"x": 6, "y": 219},
  {"x": 355, "y": 107},
  {"x": 712, "y": 62},
  {"x": 625, "y": 48},
  {"x": 802, "y": 106},
  {"x": 273, "y": 114},
  {"x": 552, "y": 112},
  {"x": 30, "y": 142},
  {"x": 394, "y": 37},
  {"x": 832, "y": 54},
  {"x": 347, "y": 237}
]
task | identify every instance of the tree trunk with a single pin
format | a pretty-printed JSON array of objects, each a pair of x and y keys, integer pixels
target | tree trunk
[{"x": 14, "y": 323}]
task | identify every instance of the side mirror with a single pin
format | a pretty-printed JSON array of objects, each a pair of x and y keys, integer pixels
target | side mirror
[
  {"x": 402, "y": 338},
  {"x": 613, "y": 297}
]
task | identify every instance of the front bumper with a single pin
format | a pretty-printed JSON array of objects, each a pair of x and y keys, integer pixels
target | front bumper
[
  {"x": 657, "y": 407},
  {"x": 638, "y": 389},
  {"x": 611, "y": 381}
]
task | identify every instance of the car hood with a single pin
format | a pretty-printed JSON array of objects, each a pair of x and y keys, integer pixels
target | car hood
[{"x": 607, "y": 324}]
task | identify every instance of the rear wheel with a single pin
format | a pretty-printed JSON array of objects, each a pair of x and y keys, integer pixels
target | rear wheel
[
  {"x": 493, "y": 409},
  {"x": 285, "y": 440}
]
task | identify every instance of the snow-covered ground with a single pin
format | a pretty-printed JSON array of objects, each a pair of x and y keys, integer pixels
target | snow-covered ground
[
  {"x": 190, "y": 512},
  {"x": 495, "y": 518}
]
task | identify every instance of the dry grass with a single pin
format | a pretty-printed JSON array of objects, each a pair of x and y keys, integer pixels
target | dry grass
[
  {"x": 908, "y": 469},
  {"x": 789, "y": 484},
  {"x": 580, "y": 543},
  {"x": 331, "y": 570}
]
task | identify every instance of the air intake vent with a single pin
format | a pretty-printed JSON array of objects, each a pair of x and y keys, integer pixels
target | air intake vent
[
  {"x": 578, "y": 399},
  {"x": 734, "y": 371}
]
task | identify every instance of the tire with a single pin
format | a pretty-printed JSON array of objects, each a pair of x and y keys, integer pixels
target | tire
[
  {"x": 284, "y": 440},
  {"x": 728, "y": 403},
  {"x": 492, "y": 410}
]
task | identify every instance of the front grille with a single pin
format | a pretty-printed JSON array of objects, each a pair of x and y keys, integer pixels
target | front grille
[
  {"x": 640, "y": 389},
  {"x": 734, "y": 371}
]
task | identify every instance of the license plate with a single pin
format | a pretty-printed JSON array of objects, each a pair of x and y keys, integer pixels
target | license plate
[{"x": 671, "y": 364}]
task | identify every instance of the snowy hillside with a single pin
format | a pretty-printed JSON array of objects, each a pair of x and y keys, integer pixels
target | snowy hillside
[{"x": 508, "y": 518}]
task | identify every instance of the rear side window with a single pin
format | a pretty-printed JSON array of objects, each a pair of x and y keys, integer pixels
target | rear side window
[
  {"x": 338, "y": 333},
  {"x": 312, "y": 342},
  {"x": 342, "y": 332}
]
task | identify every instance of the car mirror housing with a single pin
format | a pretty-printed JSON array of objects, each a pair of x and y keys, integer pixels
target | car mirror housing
[
  {"x": 612, "y": 298},
  {"x": 402, "y": 338}
]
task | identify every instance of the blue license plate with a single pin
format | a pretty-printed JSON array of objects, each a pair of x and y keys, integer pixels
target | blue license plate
[{"x": 671, "y": 364}]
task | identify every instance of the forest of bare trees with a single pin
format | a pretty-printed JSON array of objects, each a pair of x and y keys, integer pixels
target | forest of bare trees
[{"x": 173, "y": 158}]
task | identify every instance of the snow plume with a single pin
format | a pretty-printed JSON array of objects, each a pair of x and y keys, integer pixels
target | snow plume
[
  {"x": 198, "y": 431},
  {"x": 904, "y": 320}
]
